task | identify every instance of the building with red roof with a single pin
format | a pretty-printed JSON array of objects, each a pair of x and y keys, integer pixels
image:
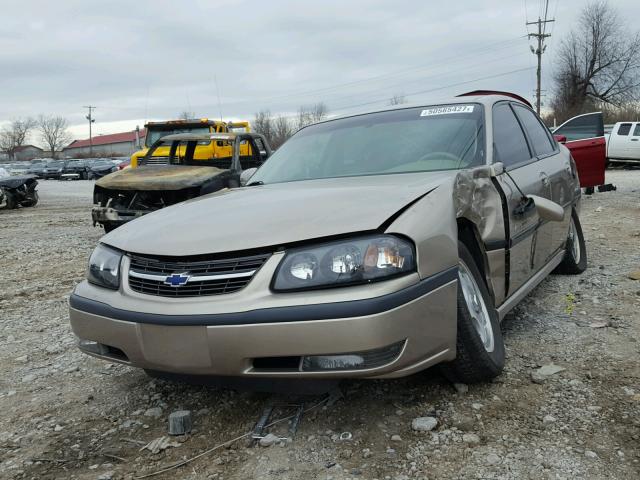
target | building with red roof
[{"x": 111, "y": 145}]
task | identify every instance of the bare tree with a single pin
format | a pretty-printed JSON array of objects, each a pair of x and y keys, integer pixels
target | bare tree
[
  {"x": 600, "y": 63},
  {"x": 186, "y": 115},
  {"x": 282, "y": 130},
  {"x": 311, "y": 114},
  {"x": 15, "y": 135},
  {"x": 397, "y": 99},
  {"x": 263, "y": 123},
  {"x": 53, "y": 132}
]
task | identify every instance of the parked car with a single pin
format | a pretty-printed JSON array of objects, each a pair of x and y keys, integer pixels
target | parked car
[
  {"x": 18, "y": 168},
  {"x": 76, "y": 170},
  {"x": 36, "y": 168},
  {"x": 583, "y": 135},
  {"x": 100, "y": 167},
  {"x": 130, "y": 193},
  {"x": 623, "y": 144},
  {"x": 54, "y": 169},
  {"x": 374, "y": 245}
]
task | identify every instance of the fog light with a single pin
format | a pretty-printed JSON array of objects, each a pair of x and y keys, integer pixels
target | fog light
[
  {"x": 353, "y": 361},
  {"x": 93, "y": 347}
]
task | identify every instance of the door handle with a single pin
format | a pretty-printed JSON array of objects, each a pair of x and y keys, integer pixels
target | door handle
[{"x": 634, "y": 139}]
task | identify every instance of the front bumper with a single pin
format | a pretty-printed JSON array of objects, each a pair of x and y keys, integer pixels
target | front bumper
[
  {"x": 421, "y": 317},
  {"x": 112, "y": 216}
]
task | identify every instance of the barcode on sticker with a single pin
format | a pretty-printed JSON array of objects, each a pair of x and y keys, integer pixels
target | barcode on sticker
[{"x": 445, "y": 110}]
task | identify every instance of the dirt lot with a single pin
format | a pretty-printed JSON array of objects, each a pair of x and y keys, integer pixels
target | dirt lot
[{"x": 66, "y": 415}]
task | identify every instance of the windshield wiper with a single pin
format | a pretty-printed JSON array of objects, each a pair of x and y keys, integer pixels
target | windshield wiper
[{"x": 254, "y": 184}]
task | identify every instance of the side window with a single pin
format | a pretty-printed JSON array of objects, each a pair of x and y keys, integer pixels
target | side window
[
  {"x": 624, "y": 129},
  {"x": 581, "y": 127},
  {"x": 636, "y": 131},
  {"x": 537, "y": 133},
  {"x": 510, "y": 144}
]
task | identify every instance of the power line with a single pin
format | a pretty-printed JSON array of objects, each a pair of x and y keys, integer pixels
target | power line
[{"x": 430, "y": 90}]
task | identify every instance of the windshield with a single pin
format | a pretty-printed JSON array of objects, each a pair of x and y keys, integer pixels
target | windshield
[
  {"x": 55, "y": 164},
  {"x": 153, "y": 135},
  {"x": 424, "y": 139}
]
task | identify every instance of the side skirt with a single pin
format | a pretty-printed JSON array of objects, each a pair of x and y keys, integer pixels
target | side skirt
[{"x": 529, "y": 285}]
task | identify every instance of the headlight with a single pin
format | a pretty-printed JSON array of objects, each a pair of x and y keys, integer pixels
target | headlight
[
  {"x": 104, "y": 267},
  {"x": 345, "y": 262}
]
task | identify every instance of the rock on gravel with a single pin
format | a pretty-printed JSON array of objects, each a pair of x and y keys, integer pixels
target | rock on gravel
[
  {"x": 470, "y": 438},
  {"x": 424, "y": 424},
  {"x": 541, "y": 374},
  {"x": 268, "y": 440}
]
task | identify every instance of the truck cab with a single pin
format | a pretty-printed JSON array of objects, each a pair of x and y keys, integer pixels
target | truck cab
[
  {"x": 623, "y": 144},
  {"x": 202, "y": 126}
]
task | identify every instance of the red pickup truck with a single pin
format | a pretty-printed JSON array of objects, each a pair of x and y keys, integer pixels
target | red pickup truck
[{"x": 584, "y": 137}]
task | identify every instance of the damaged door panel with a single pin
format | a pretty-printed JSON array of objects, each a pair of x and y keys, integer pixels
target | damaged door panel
[{"x": 131, "y": 193}]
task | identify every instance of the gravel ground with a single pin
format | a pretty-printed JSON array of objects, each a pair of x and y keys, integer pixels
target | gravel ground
[{"x": 66, "y": 415}]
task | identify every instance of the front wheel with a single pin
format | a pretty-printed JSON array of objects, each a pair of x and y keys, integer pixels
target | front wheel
[
  {"x": 575, "y": 250},
  {"x": 32, "y": 200},
  {"x": 11, "y": 201},
  {"x": 479, "y": 344}
]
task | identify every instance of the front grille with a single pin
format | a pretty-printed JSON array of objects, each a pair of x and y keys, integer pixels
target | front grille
[
  {"x": 205, "y": 276},
  {"x": 156, "y": 161}
]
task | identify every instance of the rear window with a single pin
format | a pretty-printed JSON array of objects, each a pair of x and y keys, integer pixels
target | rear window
[{"x": 537, "y": 133}]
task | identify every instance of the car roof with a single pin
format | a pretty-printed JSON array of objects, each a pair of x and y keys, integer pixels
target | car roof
[{"x": 484, "y": 97}]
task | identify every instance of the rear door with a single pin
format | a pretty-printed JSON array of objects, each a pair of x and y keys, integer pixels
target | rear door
[
  {"x": 554, "y": 170},
  {"x": 585, "y": 140},
  {"x": 523, "y": 176}
]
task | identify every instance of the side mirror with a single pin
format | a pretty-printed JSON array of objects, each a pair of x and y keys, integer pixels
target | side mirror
[
  {"x": 497, "y": 168},
  {"x": 547, "y": 210},
  {"x": 246, "y": 175},
  {"x": 560, "y": 138}
]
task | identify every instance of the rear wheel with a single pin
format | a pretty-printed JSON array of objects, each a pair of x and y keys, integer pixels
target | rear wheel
[
  {"x": 479, "y": 344},
  {"x": 575, "y": 253}
]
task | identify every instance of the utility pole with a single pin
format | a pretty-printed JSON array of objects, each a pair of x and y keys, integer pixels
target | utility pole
[
  {"x": 91, "y": 120},
  {"x": 538, "y": 52}
]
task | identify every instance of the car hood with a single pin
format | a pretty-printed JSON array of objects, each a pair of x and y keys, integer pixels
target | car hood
[
  {"x": 273, "y": 215},
  {"x": 159, "y": 177}
]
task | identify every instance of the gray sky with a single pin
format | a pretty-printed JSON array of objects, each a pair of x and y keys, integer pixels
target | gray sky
[{"x": 154, "y": 59}]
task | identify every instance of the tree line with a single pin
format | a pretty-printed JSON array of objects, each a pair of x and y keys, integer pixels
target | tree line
[
  {"x": 51, "y": 130},
  {"x": 598, "y": 67}
]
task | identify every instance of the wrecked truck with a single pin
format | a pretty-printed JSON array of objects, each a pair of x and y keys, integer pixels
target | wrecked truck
[{"x": 131, "y": 193}]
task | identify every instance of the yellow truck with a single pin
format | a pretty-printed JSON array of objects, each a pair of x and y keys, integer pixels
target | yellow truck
[{"x": 198, "y": 126}]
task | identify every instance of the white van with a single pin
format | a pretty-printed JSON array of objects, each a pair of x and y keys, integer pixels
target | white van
[{"x": 623, "y": 143}]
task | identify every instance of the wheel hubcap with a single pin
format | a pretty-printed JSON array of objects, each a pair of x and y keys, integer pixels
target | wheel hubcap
[
  {"x": 476, "y": 306},
  {"x": 575, "y": 242}
]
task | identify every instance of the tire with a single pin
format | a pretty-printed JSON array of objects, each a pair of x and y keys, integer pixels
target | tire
[
  {"x": 478, "y": 358},
  {"x": 11, "y": 201},
  {"x": 109, "y": 227},
  {"x": 31, "y": 202},
  {"x": 575, "y": 253}
]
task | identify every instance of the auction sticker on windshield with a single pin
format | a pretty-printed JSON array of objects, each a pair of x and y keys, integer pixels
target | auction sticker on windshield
[{"x": 445, "y": 110}]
